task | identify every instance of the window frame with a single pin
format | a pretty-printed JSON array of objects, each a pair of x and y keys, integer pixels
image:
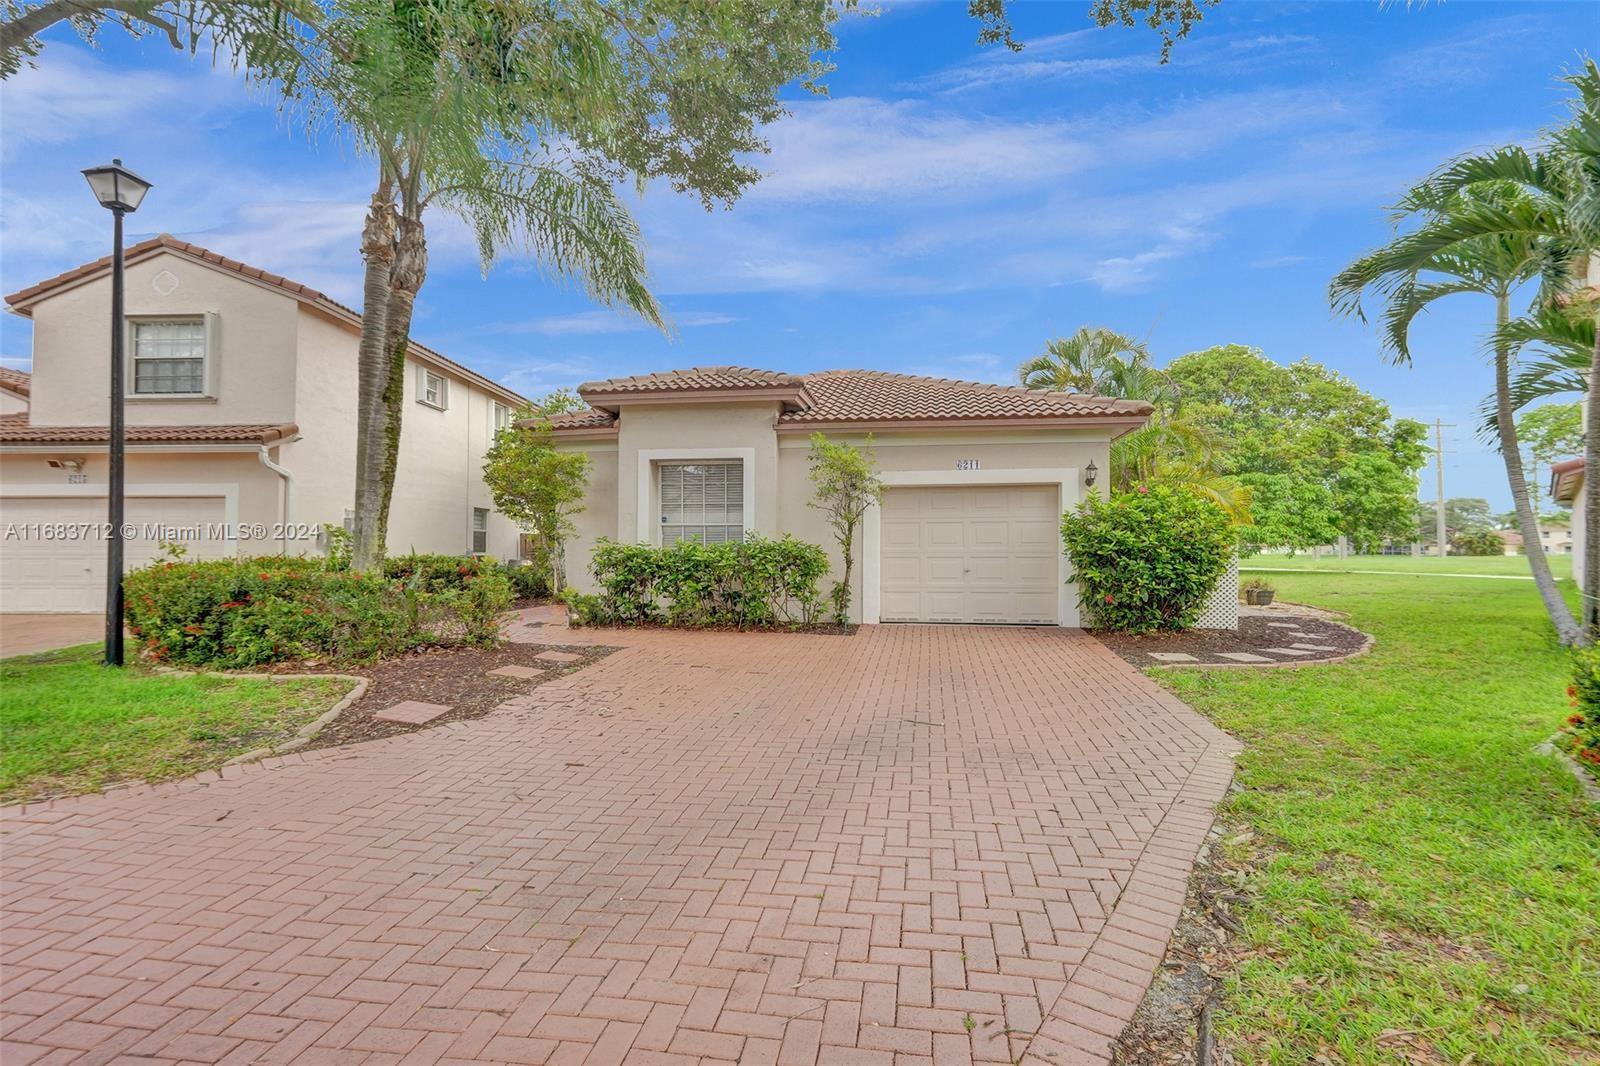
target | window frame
[
  {"x": 648, "y": 511},
  {"x": 473, "y": 532},
  {"x": 209, "y": 330},
  {"x": 423, "y": 374},
  {"x": 495, "y": 422}
]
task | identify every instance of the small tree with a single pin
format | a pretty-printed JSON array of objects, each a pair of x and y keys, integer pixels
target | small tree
[
  {"x": 847, "y": 483},
  {"x": 537, "y": 486}
]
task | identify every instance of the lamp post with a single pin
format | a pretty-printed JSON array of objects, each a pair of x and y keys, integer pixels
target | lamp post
[{"x": 119, "y": 191}]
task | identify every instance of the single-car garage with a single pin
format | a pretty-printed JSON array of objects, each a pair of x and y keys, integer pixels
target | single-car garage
[
  {"x": 53, "y": 551},
  {"x": 980, "y": 553}
]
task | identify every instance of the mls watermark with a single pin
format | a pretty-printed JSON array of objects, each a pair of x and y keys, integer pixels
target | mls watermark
[{"x": 69, "y": 532}]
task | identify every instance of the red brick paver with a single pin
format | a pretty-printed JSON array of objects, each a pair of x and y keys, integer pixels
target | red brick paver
[{"x": 703, "y": 848}]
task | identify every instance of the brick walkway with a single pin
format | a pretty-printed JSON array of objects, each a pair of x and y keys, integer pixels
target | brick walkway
[{"x": 942, "y": 844}]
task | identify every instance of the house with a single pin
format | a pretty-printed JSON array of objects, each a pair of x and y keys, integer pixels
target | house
[
  {"x": 1567, "y": 488},
  {"x": 240, "y": 386},
  {"x": 1512, "y": 540},
  {"x": 977, "y": 477},
  {"x": 1556, "y": 537}
]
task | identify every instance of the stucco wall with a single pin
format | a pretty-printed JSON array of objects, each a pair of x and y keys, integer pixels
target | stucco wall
[
  {"x": 782, "y": 481},
  {"x": 257, "y": 488},
  {"x": 253, "y": 366},
  {"x": 10, "y": 404}
]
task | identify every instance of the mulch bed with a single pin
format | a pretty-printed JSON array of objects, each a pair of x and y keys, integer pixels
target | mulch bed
[
  {"x": 455, "y": 676},
  {"x": 1260, "y": 640}
]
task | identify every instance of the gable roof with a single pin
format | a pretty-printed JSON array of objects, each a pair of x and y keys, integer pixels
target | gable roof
[
  {"x": 1566, "y": 478},
  {"x": 16, "y": 381},
  {"x": 16, "y": 429},
  {"x": 853, "y": 398},
  {"x": 22, "y": 300}
]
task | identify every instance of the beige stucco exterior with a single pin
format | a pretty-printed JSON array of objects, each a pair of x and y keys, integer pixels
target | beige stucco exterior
[
  {"x": 272, "y": 359},
  {"x": 623, "y": 474}
]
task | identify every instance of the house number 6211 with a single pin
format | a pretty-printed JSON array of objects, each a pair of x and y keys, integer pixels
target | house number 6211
[{"x": 966, "y": 464}]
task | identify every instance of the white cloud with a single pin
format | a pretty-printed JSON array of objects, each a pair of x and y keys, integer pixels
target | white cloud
[
  {"x": 605, "y": 321},
  {"x": 74, "y": 95}
]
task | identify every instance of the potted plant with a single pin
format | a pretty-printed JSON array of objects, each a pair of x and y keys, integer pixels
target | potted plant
[{"x": 1258, "y": 592}]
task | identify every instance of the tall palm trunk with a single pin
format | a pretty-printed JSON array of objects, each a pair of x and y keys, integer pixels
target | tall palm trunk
[
  {"x": 405, "y": 280},
  {"x": 1560, "y": 615},
  {"x": 378, "y": 251},
  {"x": 1590, "y": 608}
]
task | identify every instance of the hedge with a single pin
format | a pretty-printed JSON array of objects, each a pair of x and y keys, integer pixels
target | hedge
[
  {"x": 1581, "y": 733},
  {"x": 1147, "y": 559},
  {"x": 236, "y": 613},
  {"x": 756, "y": 582}
]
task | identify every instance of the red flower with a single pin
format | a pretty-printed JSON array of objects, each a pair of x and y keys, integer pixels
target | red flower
[
  {"x": 264, "y": 576},
  {"x": 193, "y": 629},
  {"x": 1574, "y": 719},
  {"x": 1143, "y": 491},
  {"x": 1572, "y": 690},
  {"x": 1109, "y": 599}
]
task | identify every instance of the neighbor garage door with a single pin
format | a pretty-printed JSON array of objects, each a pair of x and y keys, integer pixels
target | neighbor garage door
[
  {"x": 68, "y": 575},
  {"x": 986, "y": 554}
]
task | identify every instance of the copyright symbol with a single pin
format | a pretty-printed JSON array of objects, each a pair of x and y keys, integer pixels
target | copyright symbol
[{"x": 129, "y": 531}]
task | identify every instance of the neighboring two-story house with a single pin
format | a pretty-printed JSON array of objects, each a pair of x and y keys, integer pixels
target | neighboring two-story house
[{"x": 240, "y": 390}]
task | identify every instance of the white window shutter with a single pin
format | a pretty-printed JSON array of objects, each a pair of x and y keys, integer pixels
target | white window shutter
[{"x": 213, "y": 362}]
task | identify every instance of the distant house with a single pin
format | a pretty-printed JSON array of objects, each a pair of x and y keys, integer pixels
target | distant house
[
  {"x": 1567, "y": 488},
  {"x": 239, "y": 390},
  {"x": 1513, "y": 541}
]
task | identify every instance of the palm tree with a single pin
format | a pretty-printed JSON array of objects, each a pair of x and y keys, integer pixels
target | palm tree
[
  {"x": 1556, "y": 211},
  {"x": 1080, "y": 363},
  {"x": 1411, "y": 273}
]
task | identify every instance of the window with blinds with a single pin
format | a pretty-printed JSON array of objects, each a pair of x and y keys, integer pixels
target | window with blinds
[
  {"x": 169, "y": 357},
  {"x": 702, "y": 501}
]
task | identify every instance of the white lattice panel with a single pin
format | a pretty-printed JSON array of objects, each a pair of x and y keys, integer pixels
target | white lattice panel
[{"x": 1221, "y": 610}]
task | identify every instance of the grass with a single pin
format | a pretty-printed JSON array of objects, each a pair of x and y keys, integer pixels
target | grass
[
  {"x": 70, "y": 725},
  {"x": 1499, "y": 565},
  {"x": 1428, "y": 887}
]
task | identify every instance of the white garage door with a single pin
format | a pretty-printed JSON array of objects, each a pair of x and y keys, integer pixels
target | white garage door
[
  {"x": 988, "y": 554},
  {"x": 67, "y": 574}
]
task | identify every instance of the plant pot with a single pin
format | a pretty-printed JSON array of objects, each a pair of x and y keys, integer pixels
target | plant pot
[{"x": 1259, "y": 597}]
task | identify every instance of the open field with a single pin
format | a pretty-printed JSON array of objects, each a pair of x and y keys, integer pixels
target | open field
[
  {"x": 1429, "y": 888},
  {"x": 72, "y": 725},
  {"x": 1499, "y": 565}
]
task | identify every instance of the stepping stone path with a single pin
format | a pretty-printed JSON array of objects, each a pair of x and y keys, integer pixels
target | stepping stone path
[
  {"x": 412, "y": 712},
  {"x": 1291, "y": 652},
  {"x": 1284, "y": 625},
  {"x": 558, "y": 657},
  {"x": 1243, "y": 657},
  {"x": 1173, "y": 657},
  {"x": 526, "y": 672},
  {"x": 1314, "y": 647}
]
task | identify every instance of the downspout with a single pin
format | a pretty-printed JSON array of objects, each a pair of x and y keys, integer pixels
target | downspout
[{"x": 288, "y": 492}]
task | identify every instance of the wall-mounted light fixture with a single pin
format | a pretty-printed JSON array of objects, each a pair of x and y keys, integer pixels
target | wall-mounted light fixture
[
  {"x": 72, "y": 466},
  {"x": 1090, "y": 472}
]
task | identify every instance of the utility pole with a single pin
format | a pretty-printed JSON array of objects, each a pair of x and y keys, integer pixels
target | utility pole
[{"x": 1438, "y": 458}]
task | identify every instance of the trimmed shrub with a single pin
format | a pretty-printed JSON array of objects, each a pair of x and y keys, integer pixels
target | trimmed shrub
[
  {"x": 1147, "y": 559},
  {"x": 237, "y": 613},
  {"x": 1478, "y": 542},
  {"x": 530, "y": 579},
  {"x": 751, "y": 583},
  {"x": 1580, "y": 734}
]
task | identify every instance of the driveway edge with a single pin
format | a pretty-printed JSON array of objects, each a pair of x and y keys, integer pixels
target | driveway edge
[{"x": 1109, "y": 984}]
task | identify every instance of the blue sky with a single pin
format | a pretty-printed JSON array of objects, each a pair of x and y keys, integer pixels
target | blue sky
[{"x": 945, "y": 211}]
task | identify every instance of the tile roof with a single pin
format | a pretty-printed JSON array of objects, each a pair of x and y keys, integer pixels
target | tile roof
[
  {"x": 17, "y": 381},
  {"x": 16, "y": 429},
  {"x": 166, "y": 241},
  {"x": 694, "y": 379},
  {"x": 1566, "y": 477},
  {"x": 863, "y": 396},
  {"x": 881, "y": 396}
]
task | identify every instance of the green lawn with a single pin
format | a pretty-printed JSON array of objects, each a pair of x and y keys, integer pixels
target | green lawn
[
  {"x": 1514, "y": 565},
  {"x": 68, "y": 724},
  {"x": 1429, "y": 888}
]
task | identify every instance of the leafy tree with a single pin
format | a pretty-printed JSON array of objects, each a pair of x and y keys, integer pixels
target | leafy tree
[
  {"x": 1478, "y": 542},
  {"x": 1547, "y": 201},
  {"x": 267, "y": 34},
  {"x": 1083, "y": 362},
  {"x": 1292, "y": 435},
  {"x": 1173, "y": 19},
  {"x": 521, "y": 118},
  {"x": 1411, "y": 272},
  {"x": 536, "y": 486},
  {"x": 1552, "y": 432},
  {"x": 845, "y": 483},
  {"x": 1463, "y": 515}
]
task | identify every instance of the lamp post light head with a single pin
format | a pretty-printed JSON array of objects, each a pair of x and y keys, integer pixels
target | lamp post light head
[
  {"x": 1090, "y": 472},
  {"x": 116, "y": 187}
]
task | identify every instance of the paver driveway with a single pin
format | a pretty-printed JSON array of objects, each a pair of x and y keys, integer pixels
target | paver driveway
[{"x": 919, "y": 843}]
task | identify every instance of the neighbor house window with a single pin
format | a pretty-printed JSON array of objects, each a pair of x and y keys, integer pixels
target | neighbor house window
[
  {"x": 432, "y": 389},
  {"x": 702, "y": 501},
  {"x": 169, "y": 357},
  {"x": 480, "y": 531},
  {"x": 502, "y": 416}
]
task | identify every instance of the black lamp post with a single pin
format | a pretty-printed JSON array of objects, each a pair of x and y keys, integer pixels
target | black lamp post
[{"x": 120, "y": 191}]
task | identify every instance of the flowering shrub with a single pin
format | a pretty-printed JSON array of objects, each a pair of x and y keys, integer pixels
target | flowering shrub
[
  {"x": 1146, "y": 559},
  {"x": 754, "y": 582},
  {"x": 236, "y": 613},
  {"x": 1581, "y": 733}
]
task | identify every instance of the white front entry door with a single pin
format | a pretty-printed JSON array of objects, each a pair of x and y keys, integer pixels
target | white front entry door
[{"x": 988, "y": 553}]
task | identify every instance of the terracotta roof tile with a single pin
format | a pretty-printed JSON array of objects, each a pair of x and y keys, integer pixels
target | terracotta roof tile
[
  {"x": 16, "y": 429},
  {"x": 16, "y": 381},
  {"x": 694, "y": 379},
  {"x": 293, "y": 288},
  {"x": 876, "y": 395},
  {"x": 586, "y": 419}
]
